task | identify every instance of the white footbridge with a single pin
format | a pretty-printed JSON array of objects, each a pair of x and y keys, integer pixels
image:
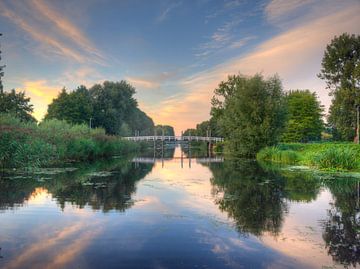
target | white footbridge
[{"x": 175, "y": 138}]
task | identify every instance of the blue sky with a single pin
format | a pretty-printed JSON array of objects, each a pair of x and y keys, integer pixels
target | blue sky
[{"x": 174, "y": 52}]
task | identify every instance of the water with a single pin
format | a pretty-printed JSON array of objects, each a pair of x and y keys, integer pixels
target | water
[{"x": 178, "y": 213}]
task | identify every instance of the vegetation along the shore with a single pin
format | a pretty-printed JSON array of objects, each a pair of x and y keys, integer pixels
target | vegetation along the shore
[
  {"x": 26, "y": 144},
  {"x": 325, "y": 156}
]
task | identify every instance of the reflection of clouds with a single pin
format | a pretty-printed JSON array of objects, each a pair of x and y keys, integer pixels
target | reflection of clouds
[
  {"x": 299, "y": 238},
  {"x": 57, "y": 247}
]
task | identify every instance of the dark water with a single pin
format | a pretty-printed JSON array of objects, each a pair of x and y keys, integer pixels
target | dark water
[{"x": 178, "y": 213}]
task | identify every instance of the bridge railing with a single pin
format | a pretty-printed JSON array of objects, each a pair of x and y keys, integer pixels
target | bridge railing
[{"x": 174, "y": 138}]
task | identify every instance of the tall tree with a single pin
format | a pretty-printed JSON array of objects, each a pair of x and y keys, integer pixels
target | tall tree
[
  {"x": 250, "y": 111},
  {"x": 341, "y": 71},
  {"x": 304, "y": 121},
  {"x": 112, "y": 102}
]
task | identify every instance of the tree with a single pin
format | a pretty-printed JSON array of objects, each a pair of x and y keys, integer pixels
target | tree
[
  {"x": 167, "y": 129},
  {"x": 304, "y": 121},
  {"x": 74, "y": 107},
  {"x": 16, "y": 104},
  {"x": 250, "y": 111},
  {"x": 341, "y": 71}
]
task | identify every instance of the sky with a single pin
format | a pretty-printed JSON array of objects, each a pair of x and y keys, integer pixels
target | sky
[{"x": 174, "y": 52}]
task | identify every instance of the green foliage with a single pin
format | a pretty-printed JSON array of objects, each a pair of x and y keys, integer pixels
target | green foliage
[
  {"x": 344, "y": 158},
  {"x": 74, "y": 107},
  {"x": 250, "y": 111},
  {"x": 110, "y": 105},
  {"x": 167, "y": 129},
  {"x": 28, "y": 145},
  {"x": 274, "y": 154},
  {"x": 304, "y": 121},
  {"x": 341, "y": 71},
  {"x": 328, "y": 156},
  {"x": 16, "y": 104}
]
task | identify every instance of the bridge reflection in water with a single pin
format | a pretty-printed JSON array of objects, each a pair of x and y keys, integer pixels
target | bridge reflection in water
[{"x": 166, "y": 152}]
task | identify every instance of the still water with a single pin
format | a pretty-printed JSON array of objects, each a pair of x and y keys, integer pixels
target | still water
[{"x": 178, "y": 213}]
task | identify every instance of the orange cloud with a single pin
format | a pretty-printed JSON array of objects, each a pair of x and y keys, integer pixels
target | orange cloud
[
  {"x": 142, "y": 83},
  {"x": 66, "y": 28},
  {"x": 61, "y": 48}
]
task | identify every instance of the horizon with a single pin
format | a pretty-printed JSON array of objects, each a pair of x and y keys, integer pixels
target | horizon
[{"x": 174, "y": 53}]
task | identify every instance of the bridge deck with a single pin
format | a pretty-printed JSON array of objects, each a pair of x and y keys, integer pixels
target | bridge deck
[{"x": 174, "y": 138}]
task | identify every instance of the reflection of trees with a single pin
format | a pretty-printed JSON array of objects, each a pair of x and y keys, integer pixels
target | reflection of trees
[
  {"x": 104, "y": 192},
  {"x": 110, "y": 189},
  {"x": 251, "y": 196},
  {"x": 300, "y": 186},
  {"x": 342, "y": 229}
]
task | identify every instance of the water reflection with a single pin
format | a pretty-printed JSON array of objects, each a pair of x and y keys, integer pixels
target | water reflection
[
  {"x": 102, "y": 185},
  {"x": 212, "y": 213},
  {"x": 342, "y": 228}
]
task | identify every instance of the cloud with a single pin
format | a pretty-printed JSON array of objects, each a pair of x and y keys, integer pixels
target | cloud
[
  {"x": 167, "y": 11},
  {"x": 242, "y": 42},
  {"x": 143, "y": 83},
  {"x": 277, "y": 9},
  {"x": 294, "y": 54},
  {"x": 52, "y": 31},
  {"x": 66, "y": 27},
  {"x": 60, "y": 48}
]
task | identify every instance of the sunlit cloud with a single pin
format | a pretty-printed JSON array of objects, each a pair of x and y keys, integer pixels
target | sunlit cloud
[
  {"x": 61, "y": 48},
  {"x": 65, "y": 27},
  {"x": 143, "y": 83},
  {"x": 53, "y": 31}
]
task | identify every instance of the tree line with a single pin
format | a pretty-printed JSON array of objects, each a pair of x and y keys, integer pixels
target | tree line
[
  {"x": 254, "y": 112},
  {"x": 110, "y": 105}
]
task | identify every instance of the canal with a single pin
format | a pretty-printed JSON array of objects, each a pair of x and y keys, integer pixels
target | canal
[{"x": 178, "y": 212}]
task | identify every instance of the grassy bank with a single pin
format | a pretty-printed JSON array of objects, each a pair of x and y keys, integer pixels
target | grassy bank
[
  {"x": 32, "y": 145},
  {"x": 326, "y": 156}
]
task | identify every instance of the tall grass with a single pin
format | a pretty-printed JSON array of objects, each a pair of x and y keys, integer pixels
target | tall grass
[
  {"x": 327, "y": 156},
  {"x": 276, "y": 155},
  {"x": 31, "y": 145},
  {"x": 337, "y": 158}
]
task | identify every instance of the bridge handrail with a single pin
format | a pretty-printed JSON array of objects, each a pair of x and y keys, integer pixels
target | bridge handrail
[{"x": 174, "y": 138}]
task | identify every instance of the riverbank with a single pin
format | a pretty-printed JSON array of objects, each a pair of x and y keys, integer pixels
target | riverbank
[
  {"x": 28, "y": 145},
  {"x": 324, "y": 156}
]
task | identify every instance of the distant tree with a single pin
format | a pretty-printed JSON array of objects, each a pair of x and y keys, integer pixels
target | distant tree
[
  {"x": 140, "y": 122},
  {"x": 16, "y": 104},
  {"x": 251, "y": 112},
  {"x": 168, "y": 130},
  {"x": 74, "y": 107},
  {"x": 341, "y": 71},
  {"x": 190, "y": 132},
  {"x": 304, "y": 121}
]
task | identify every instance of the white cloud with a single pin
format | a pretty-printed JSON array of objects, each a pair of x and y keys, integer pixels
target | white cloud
[{"x": 167, "y": 11}]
